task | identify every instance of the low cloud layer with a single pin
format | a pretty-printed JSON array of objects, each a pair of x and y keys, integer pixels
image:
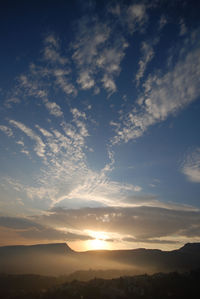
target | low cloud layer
[
  {"x": 138, "y": 223},
  {"x": 150, "y": 225},
  {"x": 32, "y": 231}
]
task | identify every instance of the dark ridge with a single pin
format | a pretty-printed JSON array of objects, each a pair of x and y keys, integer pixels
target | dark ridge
[
  {"x": 59, "y": 258},
  {"x": 59, "y": 248},
  {"x": 190, "y": 248}
]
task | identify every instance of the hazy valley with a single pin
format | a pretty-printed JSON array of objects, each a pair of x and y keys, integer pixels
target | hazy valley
[{"x": 59, "y": 259}]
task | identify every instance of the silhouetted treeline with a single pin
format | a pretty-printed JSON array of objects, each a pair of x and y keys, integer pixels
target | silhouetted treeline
[{"x": 169, "y": 285}]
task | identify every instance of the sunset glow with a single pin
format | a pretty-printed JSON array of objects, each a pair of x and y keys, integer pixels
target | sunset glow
[{"x": 99, "y": 241}]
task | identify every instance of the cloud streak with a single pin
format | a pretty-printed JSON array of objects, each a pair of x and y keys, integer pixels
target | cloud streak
[
  {"x": 33, "y": 231},
  {"x": 147, "y": 56},
  {"x": 191, "y": 167},
  {"x": 40, "y": 146},
  {"x": 136, "y": 224},
  {"x": 5, "y": 129},
  {"x": 98, "y": 54}
]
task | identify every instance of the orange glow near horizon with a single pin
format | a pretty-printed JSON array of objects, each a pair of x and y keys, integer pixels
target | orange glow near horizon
[
  {"x": 97, "y": 244},
  {"x": 99, "y": 241}
]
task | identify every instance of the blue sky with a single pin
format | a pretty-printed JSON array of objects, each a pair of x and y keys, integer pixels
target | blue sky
[{"x": 99, "y": 123}]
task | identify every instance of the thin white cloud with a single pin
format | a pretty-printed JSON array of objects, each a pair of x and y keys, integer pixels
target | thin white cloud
[
  {"x": 162, "y": 22},
  {"x": 64, "y": 157},
  {"x": 147, "y": 56},
  {"x": 53, "y": 108},
  {"x": 15, "y": 184},
  {"x": 8, "y": 131},
  {"x": 10, "y": 101},
  {"x": 20, "y": 142},
  {"x": 89, "y": 44},
  {"x": 77, "y": 113},
  {"x": 52, "y": 49},
  {"x": 51, "y": 40},
  {"x": 62, "y": 80},
  {"x": 23, "y": 151},
  {"x": 54, "y": 69},
  {"x": 66, "y": 177},
  {"x": 85, "y": 80},
  {"x": 164, "y": 95},
  {"x": 98, "y": 54},
  {"x": 30, "y": 86},
  {"x": 191, "y": 167},
  {"x": 183, "y": 28},
  {"x": 43, "y": 131},
  {"x": 110, "y": 58},
  {"x": 40, "y": 146},
  {"x": 132, "y": 16},
  {"x": 89, "y": 39},
  {"x": 109, "y": 84},
  {"x": 96, "y": 186},
  {"x": 136, "y": 15}
]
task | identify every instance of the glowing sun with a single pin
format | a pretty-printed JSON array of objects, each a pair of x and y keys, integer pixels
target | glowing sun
[{"x": 98, "y": 241}]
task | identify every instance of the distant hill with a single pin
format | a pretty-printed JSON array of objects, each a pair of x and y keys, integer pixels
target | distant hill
[
  {"x": 60, "y": 259},
  {"x": 190, "y": 248},
  {"x": 44, "y": 259},
  {"x": 52, "y": 248}
]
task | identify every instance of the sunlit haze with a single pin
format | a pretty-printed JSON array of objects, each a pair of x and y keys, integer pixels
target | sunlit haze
[{"x": 99, "y": 123}]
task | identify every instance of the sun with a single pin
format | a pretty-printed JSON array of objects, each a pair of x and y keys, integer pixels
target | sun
[{"x": 99, "y": 240}]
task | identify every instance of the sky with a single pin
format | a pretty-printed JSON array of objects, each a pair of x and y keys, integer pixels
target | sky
[{"x": 99, "y": 123}]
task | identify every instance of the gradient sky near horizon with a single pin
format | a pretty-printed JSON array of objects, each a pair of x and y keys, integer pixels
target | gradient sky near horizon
[{"x": 99, "y": 123}]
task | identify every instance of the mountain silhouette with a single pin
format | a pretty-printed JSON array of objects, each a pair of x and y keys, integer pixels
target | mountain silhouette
[
  {"x": 51, "y": 248},
  {"x": 42, "y": 259},
  {"x": 59, "y": 258},
  {"x": 190, "y": 248}
]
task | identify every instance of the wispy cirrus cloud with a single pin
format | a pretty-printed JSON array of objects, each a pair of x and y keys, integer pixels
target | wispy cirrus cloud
[
  {"x": 164, "y": 95},
  {"x": 8, "y": 131},
  {"x": 162, "y": 22},
  {"x": 23, "y": 147},
  {"x": 191, "y": 166},
  {"x": 53, "y": 108},
  {"x": 136, "y": 15},
  {"x": 67, "y": 180},
  {"x": 147, "y": 56},
  {"x": 65, "y": 177},
  {"x": 97, "y": 54},
  {"x": 52, "y": 51},
  {"x": 133, "y": 16},
  {"x": 10, "y": 101},
  {"x": 183, "y": 28},
  {"x": 40, "y": 146},
  {"x": 98, "y": 187},
  {"x": 63, "y": 81},
  {"x": 52, "y": 70},
  {"x": 87, "y": 47}
]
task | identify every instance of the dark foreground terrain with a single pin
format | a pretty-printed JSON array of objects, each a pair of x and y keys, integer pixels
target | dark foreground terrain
[
  {"x": 157, "y": 286},
  {"x": 59, "y": 272}
]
